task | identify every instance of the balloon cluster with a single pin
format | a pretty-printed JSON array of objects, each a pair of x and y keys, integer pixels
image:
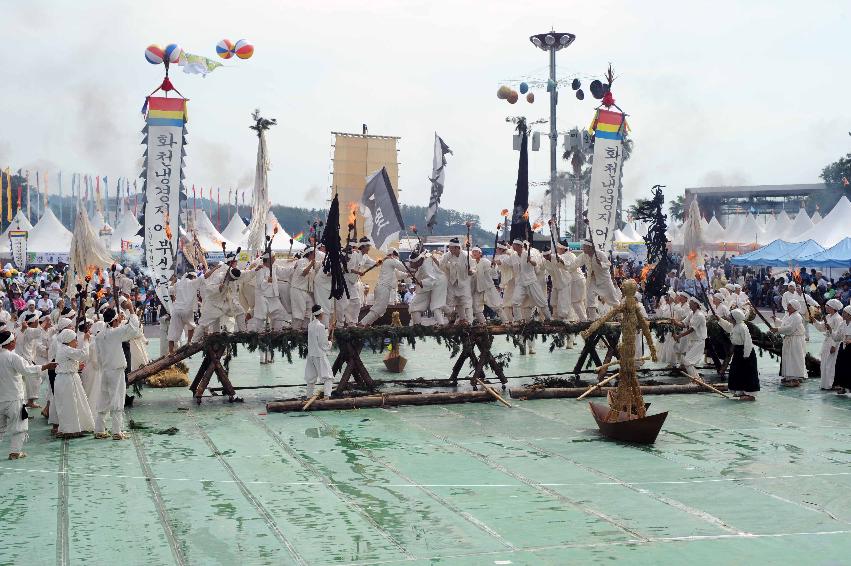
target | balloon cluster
[
  {"x": 511, "y": 95},
  {"x": 227, "y": 49},
  {"x": 155, "y": 55}
]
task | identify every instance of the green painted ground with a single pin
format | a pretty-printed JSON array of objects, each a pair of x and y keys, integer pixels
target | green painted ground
[{"x": 726, "y": 482}]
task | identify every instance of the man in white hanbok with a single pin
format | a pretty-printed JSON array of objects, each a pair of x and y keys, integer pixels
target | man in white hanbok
[
  {"x": 598, "y": 281},
  {"x": 833, "y": 328},
  {"x": 316, "y": 366},
  {"x": 432, "y": 294},
  {"x": 693, "y": 338},
  {"x": 484, "y": 290},
  {"x": 112, "y": 363},
  {"x": 387, "y": 283},
  {"x": 12, "y": 394},
  {"x": 183, "y": 309}
]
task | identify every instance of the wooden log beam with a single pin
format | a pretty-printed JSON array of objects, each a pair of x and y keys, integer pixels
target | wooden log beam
[
  {"x": 376, "y": 401},
  {"x": 573, "y": 392},
  {"x": 164, "y": 362}
]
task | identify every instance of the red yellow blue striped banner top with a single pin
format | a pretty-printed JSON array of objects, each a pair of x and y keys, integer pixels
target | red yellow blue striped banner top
[
  {"x": 609, "y": 125},
  {"x": 166, "y": 111}
]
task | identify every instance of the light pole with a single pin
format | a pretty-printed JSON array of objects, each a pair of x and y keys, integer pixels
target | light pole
[{"x": 552, "y": 42}]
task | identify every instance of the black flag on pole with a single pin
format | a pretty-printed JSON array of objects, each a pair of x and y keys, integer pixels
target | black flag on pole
[
  {"x": 519, "y": 219},
  {"x": 380, "y": 209},
  {"x": 438, "y": 179},
  {"x": 334, "y": 262}
]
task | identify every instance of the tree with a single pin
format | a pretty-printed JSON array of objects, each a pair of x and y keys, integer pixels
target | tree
[
  {"x": 639, "y": 205},
  {"x": 677, "y": 208}
]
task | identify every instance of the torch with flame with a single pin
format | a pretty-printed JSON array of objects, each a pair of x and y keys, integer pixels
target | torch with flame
[{"x": 504, "y": 213}]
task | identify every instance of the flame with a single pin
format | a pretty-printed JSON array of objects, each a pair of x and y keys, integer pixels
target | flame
[
  {"x": 796, "y": 275},
  {"x": 536, "y": 226},
  {"x": 504, "y": 213},
  {"x": 353, "y": 213},
  {"x": 101, "y": 293},
  {"x": 692, "y": 256},
  {"x": 698, "y": 275},
  {"x": 90, "y": 270},
  {"x": 526, "y": 215},
  {"x": 645, "y": 271}
]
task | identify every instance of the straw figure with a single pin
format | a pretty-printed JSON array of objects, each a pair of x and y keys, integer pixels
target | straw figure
[{"x": 627, "y": 397}]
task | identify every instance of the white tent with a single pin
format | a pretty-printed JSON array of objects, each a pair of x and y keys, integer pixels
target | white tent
[
  {"x": 631, "y": 235},
  {"x": 713, "y": 233},
  {"x": 734, "y": 223},
  {"x": 801, "y": 225},
  {"x": 19, "y": 222},
  {"x": 816, "y": 217},
  {"x": 98, "y": 222},
  {"x": 782, "y": 226},
  {"x": 236, "y": 231},
  {"x": 674, "y": 234},
  {"x": 833, "y": 228},
  {"x": 210, "y": 239},
  {"x": 127, "y": 229},
  {"x": 770, "y": 225},
  {"x": 281, "y": 243},
  {"x": 49, "y": 235},
  {"x": 642, "y": 228},
  {"x": 749, "y": 232}
]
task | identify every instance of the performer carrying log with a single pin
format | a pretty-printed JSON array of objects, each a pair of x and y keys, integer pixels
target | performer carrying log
[
  {"x": 695, "y": 335},
  {"x": 432, "y": 295},
  {"x": 390, "y": 269},
  {"x": 833, "y": 328},
  {"x": 598, "y": 281}
]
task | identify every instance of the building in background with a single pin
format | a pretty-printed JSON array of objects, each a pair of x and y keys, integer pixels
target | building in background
[{"x": 724, "y": 202}]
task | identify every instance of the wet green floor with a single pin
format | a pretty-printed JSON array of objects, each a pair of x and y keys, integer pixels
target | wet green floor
[{"x": 726, "y": 482}]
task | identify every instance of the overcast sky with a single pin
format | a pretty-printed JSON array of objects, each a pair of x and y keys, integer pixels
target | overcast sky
[{"x": 718, "y": 92}]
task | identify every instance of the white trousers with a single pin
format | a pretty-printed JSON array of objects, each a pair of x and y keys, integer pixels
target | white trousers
[
  {"x": 301, "y": 302},
  {"x": 459, "y": 299},
  {"x": 379, "y": 305},
  {"x": 111, "y": 400},
  {"x": 180, "y": 321},
  {"x": 11, "y": 422},
  {"x": 33, "y": 385},
  {"x": 318, "y": 368},
  {"x": 532, "y": 292}
]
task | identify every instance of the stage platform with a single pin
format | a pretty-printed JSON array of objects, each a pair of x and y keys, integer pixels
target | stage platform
[{"x": 726, "y": 482}]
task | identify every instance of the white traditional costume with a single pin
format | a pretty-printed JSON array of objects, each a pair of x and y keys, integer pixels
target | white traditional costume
[
  {"x": 833, "y": 329},
  {"x": 316, "y": 366},
  {"x": 69, "y": 398},
  {"x": 112, "y": 362},
  {"x": 12, "y": 396},
  {"x": 792, "y": 364}
]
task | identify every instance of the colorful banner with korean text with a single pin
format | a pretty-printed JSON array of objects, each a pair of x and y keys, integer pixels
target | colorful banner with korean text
[
  {"x": 18, "y": 243},
  {"x": 162, "y": 187},
  {"x": 608, "y": 129}
]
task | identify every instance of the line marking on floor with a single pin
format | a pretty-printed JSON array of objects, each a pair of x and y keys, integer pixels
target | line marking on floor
[
  {"x": 448, "y": 504},
  {"x": 289, "y": 450},
  {"x": 156, "y": 495},
  {"x": 63, "y": 549},
  {"x": 676, "y": 504},
  {"x": 531, "y": 483},
  {"x": 261, "y": 509}
]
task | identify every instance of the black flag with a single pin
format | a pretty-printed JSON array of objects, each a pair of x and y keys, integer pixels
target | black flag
[
  {"x": 519, "y": 219},
  {"x": 334, "y": 262}
]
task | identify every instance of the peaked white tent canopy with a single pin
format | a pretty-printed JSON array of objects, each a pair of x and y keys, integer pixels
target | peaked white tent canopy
[
  {"x": 816, "y": 218},
  {"x": 782, "y": 225},
  {"x": 209, "y": 238},
  {"x": 833, "y": 228},
  {"x": 800, "y": 225},
  {"x": 98, "y": 222},
  {"x": 49, "y": 235},
  {"x": 19, "y": 222},
  {"x": 714, "y": 232},
  {"x": 281, "y": 243},
  {"x": 236, "y": 231},
  {"x": 631, "y": 234},
  {"x": 127, "y": 229}
]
